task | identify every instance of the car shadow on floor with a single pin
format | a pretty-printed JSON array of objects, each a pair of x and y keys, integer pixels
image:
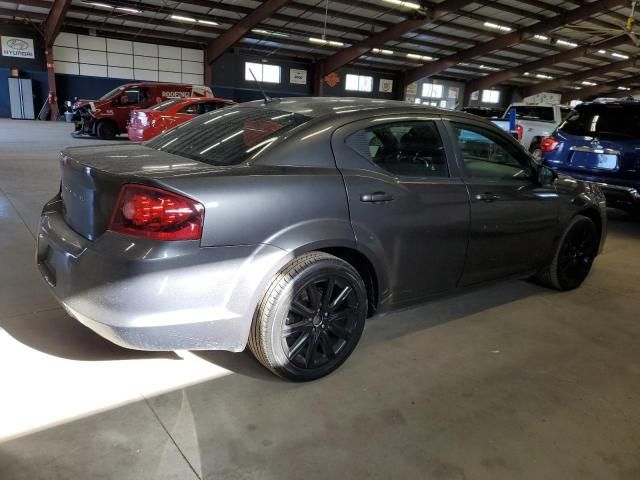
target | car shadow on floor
[
  {"x": 55, "y": 333},
  {"x": 381, "y": 328}
]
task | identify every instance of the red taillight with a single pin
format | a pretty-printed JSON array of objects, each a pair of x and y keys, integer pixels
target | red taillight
[
  {"x": 548, "y": 144},
  {"x": 154, "y": 213},
  {"x": 519, "y": 132}
]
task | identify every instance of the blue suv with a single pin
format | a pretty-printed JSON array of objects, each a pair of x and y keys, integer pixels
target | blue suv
[{"x": 600, "y": 142}]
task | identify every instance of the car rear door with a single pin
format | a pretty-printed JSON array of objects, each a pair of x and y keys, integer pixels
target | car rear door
[
  {"x": 514, "y": 219},
  {"x": 409, "y": 207}
]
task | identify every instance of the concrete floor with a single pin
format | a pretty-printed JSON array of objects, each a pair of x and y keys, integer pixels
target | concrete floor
[{"x": 509, "y": 382}]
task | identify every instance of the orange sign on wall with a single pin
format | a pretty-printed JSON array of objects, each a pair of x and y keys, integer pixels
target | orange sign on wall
[{"x": 332, "y": 79}]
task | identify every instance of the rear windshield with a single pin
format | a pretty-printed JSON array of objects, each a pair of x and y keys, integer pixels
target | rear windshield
[
  {"x": 161, "y": 107},
  {"x": 604, "y": 121},
  {"x": 528, "y": 111},
  {"x": 228, "y": 136}
]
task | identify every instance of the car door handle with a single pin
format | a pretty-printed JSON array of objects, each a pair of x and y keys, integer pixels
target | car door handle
[
  {"x": 376, "y": 197},
  {"x": 487, "y": 197}
]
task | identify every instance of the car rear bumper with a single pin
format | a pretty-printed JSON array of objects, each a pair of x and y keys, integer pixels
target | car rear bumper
[
  {"x": 139, "y": 134},
  {"x": 151, "y": 295}
]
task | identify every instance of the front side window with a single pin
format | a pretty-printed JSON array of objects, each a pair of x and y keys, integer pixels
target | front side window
[
  {"x": 412, "y": 149},
  {"x": 263, "y": 72},
  {"x": 487, "y": 156},
  {"x": 132, "y": 96}
]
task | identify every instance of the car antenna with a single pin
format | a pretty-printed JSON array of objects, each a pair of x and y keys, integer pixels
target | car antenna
[{"x": 267, "y": 98}]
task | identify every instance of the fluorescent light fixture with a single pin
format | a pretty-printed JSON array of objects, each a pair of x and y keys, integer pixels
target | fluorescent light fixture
[
  {"x": 624, "y": 89},
  {"x": 526, "y": 74},
  {"x": 602, "y": 52},
  {"x": 486, "y": 67},
  {"x": 544, "y": 38},
  {"x": 589, "y": 84},
  {"x": 415, "y": 56},
  {"x": 543, "y": 76},
  {"x": 208, "y": 22},
  {"x": 270, "y": 33},
  {"x": 103, "y": 5},
  {"x": 128, "y": 10},
  {"x": 402, "y": 3},
  {"x": 322, "y": 41},
  {"x": 497, "y": 26},
  {"x": 182, "y": 19},
  {"x": 382, "y": 51},
  {"x": 619, "y": 55},
  {"x": 565, "y": 43}
]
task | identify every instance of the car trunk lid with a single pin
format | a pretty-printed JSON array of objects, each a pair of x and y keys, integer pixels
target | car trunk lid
[
  {"x": 605, "y": 156},
  {"x": 92, "y": 178}
]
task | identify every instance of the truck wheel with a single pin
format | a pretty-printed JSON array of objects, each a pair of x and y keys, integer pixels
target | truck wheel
[
  {"x": 536, "y": 151},
  {"x": 310, "y": 318},
  {"x": 106, "y": 130},
  {"x": 574, "y": 256}
]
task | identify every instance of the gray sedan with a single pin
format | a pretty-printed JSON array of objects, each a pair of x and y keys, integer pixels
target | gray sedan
[{"x": 284, "y": 225}]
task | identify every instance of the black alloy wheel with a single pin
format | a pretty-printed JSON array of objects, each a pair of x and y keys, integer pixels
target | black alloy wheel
[
  {"x": 311, "y": 317},
  {"x": 575, "y": 255},
  {"x": 321, "y": 320}
]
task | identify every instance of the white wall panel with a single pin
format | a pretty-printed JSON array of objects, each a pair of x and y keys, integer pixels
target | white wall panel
[
  {"x": 92, "y": 43},
  {"x": 119, "y": 72},
  {"x": 145, "y": 63},
  {"x": 170, "y": 77},
  {"x": 119, "y": 46},
  {"x": 93, "y": 70},
  {"x": 108, "y": 57},
  {"x": 147, "y": 49},
  {"x": 169, "y": 52},
  {"x": 67, "y": 40},
  {"x": 119, "y": 60},
  {"x": 192, "y": 55},
  {"x": 192, "y": 67},
  {"x": 168, "y": 65},
  {"x": 67, "y": 67},
  {"x": 65, "y": 54},
  {"x": 191, "y": 78},
  {"x": 93, "y": 57},
  {"x": 151, "y": 75}
]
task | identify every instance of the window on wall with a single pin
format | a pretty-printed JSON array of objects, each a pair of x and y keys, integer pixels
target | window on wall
[
  {"x": 262, "y": 71},
  {"x": 432, "y": 90},
  {"x": 490, "y": 96},
  {"x": 359, "y": 83}
]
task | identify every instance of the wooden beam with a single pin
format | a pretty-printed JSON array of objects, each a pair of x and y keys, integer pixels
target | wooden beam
[
  {"x": 568, "y": 55},
  {"x": 517, "y": 36},
  {"x": 558, "y": 83},
  {"x": 230, "y": 37},
  {"x": 53, "y": 23},
  {"x": 394, "y": 32},
  {"x": 598, "y": 89}
]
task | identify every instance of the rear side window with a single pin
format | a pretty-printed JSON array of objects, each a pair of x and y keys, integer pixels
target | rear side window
[
  {"x": 412, "y": 149},
  {"x": 604, "y": 121},
  {"x": 228, "y": 136}
]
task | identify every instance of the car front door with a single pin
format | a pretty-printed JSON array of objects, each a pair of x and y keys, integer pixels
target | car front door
[
  {"x": 514, "y": 219},
  {"x": 409, "y": 207}
]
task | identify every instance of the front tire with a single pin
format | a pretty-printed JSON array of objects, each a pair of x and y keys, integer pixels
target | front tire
[
  {"x": 106, "y": 130},
  {"x": 310, "y": 318},
  {"x": 574, "y": 255}
]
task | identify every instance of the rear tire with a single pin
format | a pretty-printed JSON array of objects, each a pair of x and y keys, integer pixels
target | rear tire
[
  {"x": 310, "y": 318},
  {"x": 106, "y": 130},
  {"x": 574, "y": 255},
  {"x": 536, "y": 151}
]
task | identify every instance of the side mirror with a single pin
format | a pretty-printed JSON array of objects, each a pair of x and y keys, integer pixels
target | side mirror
[{"x": 546, "y": 176}]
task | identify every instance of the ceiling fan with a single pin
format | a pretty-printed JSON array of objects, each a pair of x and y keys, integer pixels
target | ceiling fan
[{"x": 629, "y": 27}]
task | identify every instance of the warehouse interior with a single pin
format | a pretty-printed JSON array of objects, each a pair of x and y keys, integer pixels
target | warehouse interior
[{"x": 507, "y": 380}]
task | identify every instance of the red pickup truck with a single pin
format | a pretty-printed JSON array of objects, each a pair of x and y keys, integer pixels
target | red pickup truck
[{"x": 108, "y": 116}]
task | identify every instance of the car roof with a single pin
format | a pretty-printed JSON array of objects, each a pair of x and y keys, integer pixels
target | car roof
[{"x": 329, "y": 106}]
